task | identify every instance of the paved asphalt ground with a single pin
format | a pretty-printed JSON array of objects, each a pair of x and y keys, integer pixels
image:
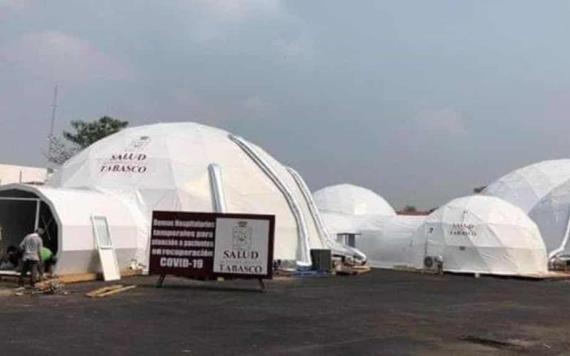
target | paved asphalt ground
[{"x": 380, "y": 313}]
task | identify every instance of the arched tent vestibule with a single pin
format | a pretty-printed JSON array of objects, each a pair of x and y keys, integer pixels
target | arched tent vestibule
[
  {"x": 21, "y": 212},
  {"x": 69, "y": 213}
]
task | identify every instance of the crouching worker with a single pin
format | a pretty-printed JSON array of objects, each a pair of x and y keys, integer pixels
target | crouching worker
[
  {"x": 9, "y": 261},
  {"x": 31, "y": 247},
  {"x": 48, "y": 260}
]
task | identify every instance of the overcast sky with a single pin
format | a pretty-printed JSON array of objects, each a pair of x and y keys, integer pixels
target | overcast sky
[{"x": 418, "y": 100}]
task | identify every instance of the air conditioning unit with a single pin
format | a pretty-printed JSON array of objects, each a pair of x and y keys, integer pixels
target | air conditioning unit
[{"x": 433, "y": 264}]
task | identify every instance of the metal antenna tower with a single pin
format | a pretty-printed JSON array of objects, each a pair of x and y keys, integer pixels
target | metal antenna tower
[{"x": 52, "y": 121}]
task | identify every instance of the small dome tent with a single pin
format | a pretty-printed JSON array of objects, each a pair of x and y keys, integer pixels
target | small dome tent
[
  {"x": 479, "y": 234},
  {"x": 387, "y": 241},
  {"x": 346, "y": 208},
  {"x": 525, "y": 187},
  {"x": 183, "y": 167},
  {"x": 552, "y": 216},
  {"x": 351, "y": 200}
]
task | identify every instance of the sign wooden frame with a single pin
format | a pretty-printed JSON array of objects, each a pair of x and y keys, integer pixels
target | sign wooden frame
[{"x": 190, "y": 245}]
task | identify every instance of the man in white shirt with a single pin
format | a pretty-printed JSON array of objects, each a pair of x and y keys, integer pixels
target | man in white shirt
[{"x": 31, "y": 247}]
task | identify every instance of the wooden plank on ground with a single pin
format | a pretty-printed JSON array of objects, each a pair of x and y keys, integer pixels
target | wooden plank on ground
[
  {"x": 114, "y": 291},
  {"x": 102, "y": 290}
]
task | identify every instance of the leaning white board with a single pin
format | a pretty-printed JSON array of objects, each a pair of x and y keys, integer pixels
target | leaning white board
[{"x": 107, "y": 255}]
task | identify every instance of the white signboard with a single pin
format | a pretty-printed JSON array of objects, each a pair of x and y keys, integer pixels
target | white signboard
[{"x": 242, "y": 246}]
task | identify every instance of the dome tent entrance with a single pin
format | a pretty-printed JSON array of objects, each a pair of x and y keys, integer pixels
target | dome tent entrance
[
  {"x": 188, "y": 167},
  {"x": 479, "y": 234}
]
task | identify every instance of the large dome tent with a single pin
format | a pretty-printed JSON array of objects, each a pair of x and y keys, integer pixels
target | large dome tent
[
  {"x": 526, "y": 186},
  {"x": 190, "y": 167},
  {"x": 480, "y": 234},
  {"x": 552, "y": 216}
]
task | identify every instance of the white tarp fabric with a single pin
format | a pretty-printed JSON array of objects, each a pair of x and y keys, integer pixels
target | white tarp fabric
[
  {"x": 552, "y": 215},
  {"x": 165, "y": 167},
  {"x": 387, "y": 241},
  {"x": 526, "y": 186},
  {"x": 480, "y": 234},
  {"x": 341, "y": 223},
  {"x": 351, "y": 200}
]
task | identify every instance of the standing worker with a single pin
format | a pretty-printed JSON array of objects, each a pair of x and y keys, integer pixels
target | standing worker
[{"x": 31, "y": 247}]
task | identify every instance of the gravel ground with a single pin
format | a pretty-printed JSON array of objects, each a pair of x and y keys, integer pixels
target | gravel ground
[{"x": 382, "y": 312}]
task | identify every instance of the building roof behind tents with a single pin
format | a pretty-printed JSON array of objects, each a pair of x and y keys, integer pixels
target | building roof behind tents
[{"x": 22, "y": 174}]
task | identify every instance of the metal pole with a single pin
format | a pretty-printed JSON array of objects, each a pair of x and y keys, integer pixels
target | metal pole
[
  {"x": 37, "y": 222},
  {"x": 19, "y": 199}
]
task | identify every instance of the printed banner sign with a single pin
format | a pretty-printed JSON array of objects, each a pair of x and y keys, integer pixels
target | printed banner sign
[{"x": 210, "y": 245}]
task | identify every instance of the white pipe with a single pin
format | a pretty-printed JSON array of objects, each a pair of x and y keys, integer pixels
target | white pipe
[
  {"x": 316, "y": 215},
  {"x": 323, "y": 234},
  {"x": 217, "y": 188},
  {"x": 305, "y": 259}
]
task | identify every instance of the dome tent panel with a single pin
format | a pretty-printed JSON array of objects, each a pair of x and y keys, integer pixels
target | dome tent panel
[
  {"x": 552, "y": 215},
  {"x": 479, "y": 234},
  {"x": 526, "y": 186}
]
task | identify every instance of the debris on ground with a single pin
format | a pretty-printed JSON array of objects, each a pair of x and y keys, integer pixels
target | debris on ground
[
  {"x": 109, "y": 290},
  {"x": 50, "y": 286},
  {"x": 498, "y": 343},
  {"x": 344, "y": 270}
]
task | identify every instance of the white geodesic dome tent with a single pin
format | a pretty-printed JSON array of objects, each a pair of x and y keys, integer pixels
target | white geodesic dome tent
[
  {"x": 179, "y": 167},
  {"x": 351, "y": 200},
  {"x": 552, "y": 216},
  {"x": 341, "y": 223},
  {"x": 526, "y": 186},
  {"x": 387, "y": 241},
  {"x": 480, "y": 234}
]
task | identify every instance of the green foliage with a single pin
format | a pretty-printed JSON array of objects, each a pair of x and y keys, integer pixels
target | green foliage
[
  {"x": 479, "y": 190},
  {"x": 84, "y": 134},
  {"x": 409, "y": 209},
  {"x": 87, "y": 133}
]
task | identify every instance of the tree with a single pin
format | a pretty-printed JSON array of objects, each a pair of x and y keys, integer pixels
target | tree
[
  {"x": 84, "y": 134},
  {"x": 478, "y": 190},
  {"x": 87, "y": 133},
  {"x": 410, "y": 209}
]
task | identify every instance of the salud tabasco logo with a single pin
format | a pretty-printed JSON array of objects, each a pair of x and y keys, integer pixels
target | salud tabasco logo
[
  {"x": 131, "y": 160},
  {"x": 242, "y": 257},
  {"x": 241, "y": 235},
  {"x": 463, "y": 229}
]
